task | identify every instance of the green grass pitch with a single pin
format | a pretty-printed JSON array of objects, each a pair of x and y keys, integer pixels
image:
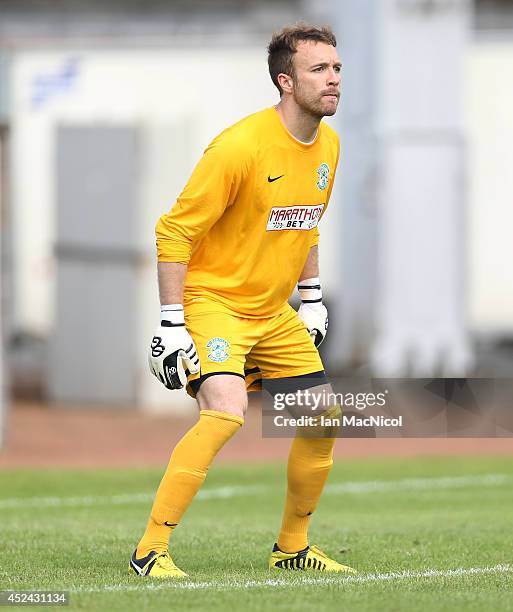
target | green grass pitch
[{"x": 424, "y": 534}]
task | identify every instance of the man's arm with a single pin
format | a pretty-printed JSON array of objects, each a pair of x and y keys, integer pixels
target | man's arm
[
  {"x": 172, "y": 352},
  {"x": 312, "y": 311},
  {"x": 212, "y": 187},
  {"x": 171, "y": 281},
  {"x": 311, "y": 267}
]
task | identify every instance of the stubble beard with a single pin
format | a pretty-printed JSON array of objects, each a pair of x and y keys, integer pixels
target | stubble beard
[{"x": 313, "y": 107}]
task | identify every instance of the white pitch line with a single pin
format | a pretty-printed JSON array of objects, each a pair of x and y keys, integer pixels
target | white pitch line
[
  {"x": 98, "y": 500},
  {"x": 417, "y": 484},
  {"x": 353, "y": 488},
  {"x": 300, "y": 581}
]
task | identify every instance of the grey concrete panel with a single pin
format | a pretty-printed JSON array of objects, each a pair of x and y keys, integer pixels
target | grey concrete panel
[
  {"x": 92, "y": 350},
  {"x": 96, "y": 187},
  {"x": 92, "y": 346}
]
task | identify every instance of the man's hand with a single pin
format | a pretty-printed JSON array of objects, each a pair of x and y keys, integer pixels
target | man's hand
[
  {"x": 172, "y": 353},
  {"x": 312, "y": 311}
]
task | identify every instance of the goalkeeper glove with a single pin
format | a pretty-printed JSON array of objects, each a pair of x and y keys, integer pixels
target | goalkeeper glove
[
  {"x": 172, "y": 355},
  {"x": 312, "y": 311}
]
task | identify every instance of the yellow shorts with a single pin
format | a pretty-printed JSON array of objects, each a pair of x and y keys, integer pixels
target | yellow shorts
[{"x": 272, "y": 347}]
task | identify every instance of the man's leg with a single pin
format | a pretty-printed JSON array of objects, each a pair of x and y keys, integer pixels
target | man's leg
[
  {"x": 222, "y": 400},
  {"x": 289, "y": 363},
  {"x": 310, "y": 461},
  {"x": 309, "y": 464}
]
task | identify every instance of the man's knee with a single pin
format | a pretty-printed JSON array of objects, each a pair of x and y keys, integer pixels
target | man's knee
[{"x": 223, "y": 393}]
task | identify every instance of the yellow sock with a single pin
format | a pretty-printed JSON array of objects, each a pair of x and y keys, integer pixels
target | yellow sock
[
  {"x": 184, "y": 476},
  {"x": 310, "y": 461}
]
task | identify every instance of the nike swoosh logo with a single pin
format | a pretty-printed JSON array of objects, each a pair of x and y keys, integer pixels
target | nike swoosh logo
[
  {"x": 170, "y": 524},
  {"x": 271, "y": 180}
]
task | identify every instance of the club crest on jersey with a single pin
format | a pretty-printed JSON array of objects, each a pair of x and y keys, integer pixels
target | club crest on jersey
[
  {"x": 218, "y": 349},
  {"x": 323, "y": 171}
]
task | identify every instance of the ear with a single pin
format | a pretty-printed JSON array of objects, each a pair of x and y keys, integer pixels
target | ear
[{"x": 286, "y": 82}]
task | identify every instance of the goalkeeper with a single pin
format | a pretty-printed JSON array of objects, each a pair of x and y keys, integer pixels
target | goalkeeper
[{"x": 240, "y": 236}]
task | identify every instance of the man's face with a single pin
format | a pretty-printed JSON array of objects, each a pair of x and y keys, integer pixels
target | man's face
[{"x": 316, "y": 84}]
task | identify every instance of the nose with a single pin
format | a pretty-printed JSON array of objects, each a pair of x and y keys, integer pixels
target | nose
[{"x": 333, "y": 77}]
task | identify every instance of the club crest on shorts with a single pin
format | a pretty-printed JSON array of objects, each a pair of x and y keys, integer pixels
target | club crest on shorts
[
  {"x": 218, "y": 349},
  {"x": 323, "y": 171}
]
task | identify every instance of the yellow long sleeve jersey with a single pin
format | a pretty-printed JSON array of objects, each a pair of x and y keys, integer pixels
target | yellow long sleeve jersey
[{"x": 248, "y": 216}]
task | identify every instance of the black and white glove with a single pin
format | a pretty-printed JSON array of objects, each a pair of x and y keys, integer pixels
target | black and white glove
[
  {"x": 312, "y": 311},
  {"x": 172, "y": 353}
]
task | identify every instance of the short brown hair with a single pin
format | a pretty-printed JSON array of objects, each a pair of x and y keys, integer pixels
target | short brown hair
[{"x": 283, "y": 45}]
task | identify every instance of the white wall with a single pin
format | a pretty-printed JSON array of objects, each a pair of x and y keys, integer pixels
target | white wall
[
  {"x": 490, "y": 138},
  {"x": 179, "y": 100},
  {"x": 200, "y": 92}
]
